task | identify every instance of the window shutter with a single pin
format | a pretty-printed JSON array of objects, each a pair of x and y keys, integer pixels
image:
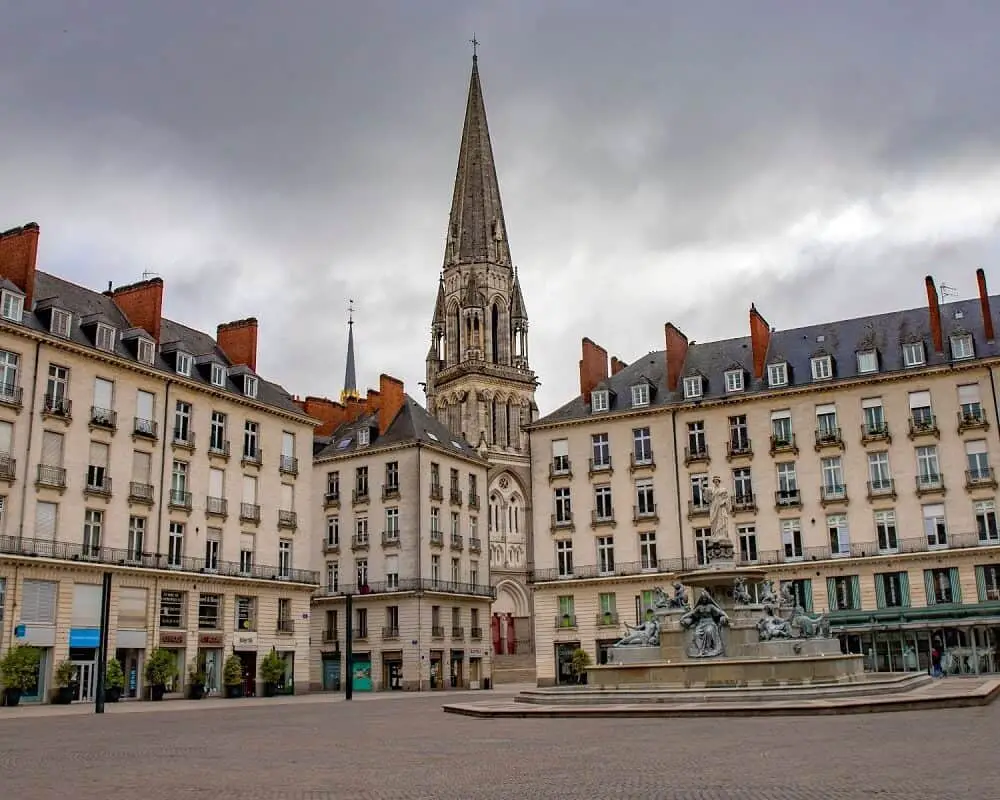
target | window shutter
[
  {"x": 98, "y": 455},
  {"x": 831, "y": 594},
  {"x": 52, "y": 449},
  {"x": 45, "y": 521},
  {"x": 856, "y": 591},
  {"x": 929, "y": 586},
  {"x": 920, "y": 400},
  {"x": 956, "y": 587},
  {"x": 132, "y": 603},
  {"x": 968, "y": 393},
  {"x": 86, "y": 605},
  {"x": 807, "y": 595},
  {"x": 904, "y": 587},
  {"x": 981, "y": 583},
  {"x": 560, "y": 447},
  {"x": 880, "y": 590},
  {"x": 141, "y": 467},
  {"x": 38, "y": 602},
  {"x": 6, "y": 437}
]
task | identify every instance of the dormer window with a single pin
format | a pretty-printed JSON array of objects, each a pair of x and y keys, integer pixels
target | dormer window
[
  {"x": 822, "y": 368},
  {"x": 599, "y": 401},
  {"x": 218, "y": 375},
  {"x": 250, "y": 385},
  {"x": 182, "y": 363},
  {"x": 104, "y": 339},
  {"x": 913, "y": 354},
  {"x": 961, "y": 346},
  {"x": 145, "y": 351},
  {"x": 60, "y": 322},
  {"x": 692, "y": 387},
  {"x": 640, "y": 395},
  {"x": 12, "y": 307},
  {"x": 867, "y": 361},
  {"x": 777, "y": 375},
  {"x": 734, "y": 380},
  {"x": 364, "y": 437}
]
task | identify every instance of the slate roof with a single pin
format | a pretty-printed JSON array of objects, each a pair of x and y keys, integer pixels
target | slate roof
[
  {"x": 412, "y": 424},
  {"x": 88, "y": 306},
  {"x": 841, "y": 340}
]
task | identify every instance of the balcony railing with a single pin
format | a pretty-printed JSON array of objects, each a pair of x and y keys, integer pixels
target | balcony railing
[
  {"x": 475, "y": 632},
  {"x": 437, "y": 631},
  {"x": 565, "y": 621},
  {"x": 457, "y": 632},
  {"x": 456, "y": 541},
  {"x": 359, "y": 635},
  {"x": 646, "y": 512},
  {"x": 285, "y": 627},
  {"x": 289, "y": 520},
  {"x": 883, "y": 487},
  {"x": 218, "y": 448},
  {"x": 146, "y": 428},
  {"x": 560, "y": 468},
  {"x": 929, "y": 482},
  {"x": 11, "y": 395},
  {"x": 599, "y": 517},
  {"x": 331, "y": 500},
  {"x": 390, "y": 538},
  {"x": 216, "y": 506},
  {"x": 409, "y": 585},
  {"x": 390, "y": 491},
  {"x": 249, "y": 512},
  {"x": 437, "y": 538},
  {"x": 288, "y": 465},
  {"x": 693, "y": 454},
  {"x": 739, "y": 448},
  {"x": 360, "y": 496},
  {"x": 599, "y": 467},
  {"x": 180, "y": 499},
  {"x": 331, "y": 546},
  {"x": 875, "y": 432},
  {"x": 330, "y": 636},
  {"x": 984, "y": 477},
  {"x": 833, "y": 493},
  {"x": 563, "y": 520},
  {"x": 828, "y": 437},
  {"x": 359, "y": 541},
  {"x": 924, "y": 425},
  {"x": 8, "y": 467},
  {"x": 390, "y": 632},
  {"x": 455, "y": 496},
  {"x": 475, "y": 545},
  {"x": 97, "y": 483},
  {"x": 784, "y": 444},
  {"x": 104, "y": 418},
  {"x": 641, "y": 461},
  {"x": 473, "y": 501},
  {"x": 788, "y": 498},
  {"x": 53, "y": 477},
  {"x": 972, "y": 419},
  {"x": 252, "y": 458},
  {"x": 140, "y": 493},
  {"x": 57, "y": 406},
  {"x": 743, "y": 503},
  {"x": 697, "y": 509},
  {"x": 437, "y": 491},
  {"x": 607, "y": 618},
  {"x": 183, "y": 438},
  {"x": 73, "y": 551}
]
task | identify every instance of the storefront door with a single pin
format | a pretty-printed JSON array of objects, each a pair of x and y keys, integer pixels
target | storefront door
[
  {"x": 331, "y": 674},
  {"x": 475, "y": 672},
  {"x": 131, "y": 663},
  {"x": 361, "y": 673},
  {"x": 564, "y": 661},
  {"x": 86, "y": 680}
]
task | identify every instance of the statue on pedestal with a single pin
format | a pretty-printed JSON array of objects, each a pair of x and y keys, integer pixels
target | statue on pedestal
[
  {"x": 720, "y": 546},
  {"x": 678, "y": 601},
  {"x": 708, "y": 619},
  {"x": 645, "y": 635},
  {"x": 772, "y": 627},
  {"x": 741, "y": 595}
]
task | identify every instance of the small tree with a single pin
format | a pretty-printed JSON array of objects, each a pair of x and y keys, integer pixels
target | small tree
[
  {"x": 115, "y": 676},
  {"x": 161, "y": 668},
  {"x": 65, "y": 673},
  {"x": 232, "y": 671},
  {"x": 19, "y": 667},
  {"x": 272, "y": 668},
  {"x": 578, "y": 664}
]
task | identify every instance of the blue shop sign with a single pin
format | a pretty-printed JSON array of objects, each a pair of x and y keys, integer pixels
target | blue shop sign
[{"x": 84, "y": 637}]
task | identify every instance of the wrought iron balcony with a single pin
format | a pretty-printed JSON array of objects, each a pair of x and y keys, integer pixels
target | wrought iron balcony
[
  {"x": 183, "y": 438},
  {"x": 739, "y": 448},
  {"x": 457, "y": 632},
  {"x": 875, "y": 432},
  {"x": 252, "y": 458},
  {"x": 833, "y": 493},
  {"x": 437, "y": 538},
  {"x": 645, "y": 513},
  {"x": 360, "y": 497},
  {"x": 390, "y": 538},
  {"x": 331, "y": 500},
  {"x": 599, "y": 467},
  {"x": 693, "y": 454},
  {"x": 828, "y": 437},
  {"x": 929, "y": 483},
  {"x": 11, "y": 395},
  {"x": 565, "y": 621},
  {"x": 924, "y": 425},
  {"x": 56, "y": 405},
  {"x": 562, "y": 520},
  {"x": 437, "y": 491},
  {"x": 437, "y": 631},
  {"x": 249, "y": 512},
  {"x": 475, "y": 545},
  {"x": 180, "y": 499},
  {"x": 97, "y": 483},
  {"x": 51, "y": 477},
  {"x": 8, "y": 467},
  {"x": 607, "y": 619},
  {"x": 218, "y": 448},
  {"x": 744, "y": 503},
  {"x": 972, "y": 418},
  {"x": 455, "y": 496},
  {"x": 146, "y": 428},
  {"x": 140, "y": 493},
  {"x": 104, "y": 418},
  {"x": 288, "y": 520},
  {"x": 642, "y": 461},
  {"x": 788, "y": 498},
  {"x": 473, "y": 502},
  {"x": 784, "y": 444},
  {"x": 390, "y": 491},
  {"x": 390, "y": 632},
  {"x": 882, "y": 487},
  {"x": 359, "y": 541},
  {"x": 456, "y": 541},
  {"x": 288, "y": 465},
  {"x": 216, "y": 506},
  {"x": 984, "y": 477},
  {"x": 602, "y": 517},
  {"x": 560, "y": 467},
  {"x": 697, "y": 509}
]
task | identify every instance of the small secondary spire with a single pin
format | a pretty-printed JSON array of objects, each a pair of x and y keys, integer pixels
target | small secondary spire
[{"x": 350, "y": 390}]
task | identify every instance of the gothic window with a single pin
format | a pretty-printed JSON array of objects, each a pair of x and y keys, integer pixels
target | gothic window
[
  {"x": 509, "y": 423},
  {"x": 493, "y": 421},
  {"x": 456, "y": 345},
  {"x": 514, "y": 515},
  {"x": 495, "y": 333}
]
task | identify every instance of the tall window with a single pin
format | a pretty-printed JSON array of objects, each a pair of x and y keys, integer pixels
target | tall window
[
  {"x": 879, "y": 475},
  {"x": 970, "y": 407},
  {"x": 251, "y": 441},
  {"x": 697, "y": 444},
  {"x": 788, "y": 483},
  {"x": 217, "y": 433},
  {"x": 742, "y": 485},
  {"x": 213, "y": 547},
  {"x": 978, "y": 460},
  {"x": 602, "y": 502},
  {"x": 642, "y": 446},
  {"x": 56, "y": 388},
  {"x": 699, "y": 490},
  {"x": 644, "y": 499},
  {"x": 747, "y": 535},
  {"x": 182, "y": 422},
  {"x": 563, "y": 509},
  {"x": 935, "y": 527},
  {"x": 928, "y": 468},
  {"x": 601, "y": 449},
  {"x": 605, "y": 554},
  {"x": 739, "y": 434},
  {"x": 781, "y": 428},
  {"x": 9, "y": 365},
  {"x": 392, "y": 476},
  {"x": 791, "y": 539},
  {"x": 874, "y": 416},
  {"x": 93, "y": 526},
  {"x": 392, "y": 571},
  {"x": 179, "y": 482},
  {"x": 921, "y": 413},
  {"x": 136, "y": 537},
  {"x": 284, "y": 558},
  {"x": 175, "y": 544},
  {"x": 702, "y": 536},
  {"x": 836, "y": 526},
  {"x": 564, "y": 559},
  {"x": 832, "y": 470},
  {"x": 647, "y": 550},
  {"x": 885, "y": 531},
  {"x": 246, "y": 553},
  {"x": 986, "y": 521}
]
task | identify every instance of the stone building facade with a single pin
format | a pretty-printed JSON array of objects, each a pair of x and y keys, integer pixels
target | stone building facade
[
  {"x": 135, "y": 445},
  {"x": 860, "y": 457},
  {"x": 479, "y": 381}
]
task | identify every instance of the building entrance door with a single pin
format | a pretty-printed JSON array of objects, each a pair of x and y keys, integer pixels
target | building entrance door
[{"x": 86, "y": 680}]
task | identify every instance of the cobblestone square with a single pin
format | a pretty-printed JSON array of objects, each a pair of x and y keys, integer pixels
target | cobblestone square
[{"x": 402, "y": 747}]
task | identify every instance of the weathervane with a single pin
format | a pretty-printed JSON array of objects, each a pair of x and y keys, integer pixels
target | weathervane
[
  {"x": 475, "y": 47},
  {"x": 350, "y": 312}
]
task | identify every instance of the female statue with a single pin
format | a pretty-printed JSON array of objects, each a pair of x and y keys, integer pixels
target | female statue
[{"x": 708, "y": 619}]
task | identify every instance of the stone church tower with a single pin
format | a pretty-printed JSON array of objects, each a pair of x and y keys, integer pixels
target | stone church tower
[{"x": 479, "y": 382}]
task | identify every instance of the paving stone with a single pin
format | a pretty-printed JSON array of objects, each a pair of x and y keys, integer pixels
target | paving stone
[{"x": 406, "y": 748}]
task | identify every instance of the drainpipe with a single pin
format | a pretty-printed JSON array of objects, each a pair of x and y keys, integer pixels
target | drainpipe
[
  {"x": 420, "y": 594},
  {"x": 27, "y": 451},
  {"x": 164, "y": 497},
  {"x": 677, "y": 484}
]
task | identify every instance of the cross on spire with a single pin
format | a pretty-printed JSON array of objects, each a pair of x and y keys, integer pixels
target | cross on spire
[
  {"x": 350, "y": 312},
  {"x": 475, "y": 47}
]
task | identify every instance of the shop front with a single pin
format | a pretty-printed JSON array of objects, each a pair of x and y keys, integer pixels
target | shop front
[
  {"x": 42, "y": 637},
  {"x": 174, "y": 642},
  {"x": 476, "y": 668},
  {"x": 130, "y": 650},
  {"x": 966, "y": 649},
  {"x": 361, "y": 672},
  {"x": 456, "y": 669},
  {"x": 392, "y": 670},
  {"x": 287, "y": 683},
  {"x": 245, "y": 649},
  {"x": 210, "y": 657},
  {"x": 437, "y": 673},
  {"x": 331, "y": 671},
  {"x": 83, "y": 644},
  {"x": 564, "y": 662}
]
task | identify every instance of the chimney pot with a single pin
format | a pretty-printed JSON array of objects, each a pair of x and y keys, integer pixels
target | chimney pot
[
  {"x": 984, "y": 304},
  {"x": 238, "y": 340},
  {"x": 760, "y": 339},
  {"x": 935, "y": 315},
  {"x": 141, "y": 304},
  {"x": 18, "y": 254},
  {"x": 677, "y": 348},
  {"x": 593, "y": 367}
]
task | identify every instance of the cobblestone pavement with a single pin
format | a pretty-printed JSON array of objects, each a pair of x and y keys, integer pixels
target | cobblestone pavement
[{"x": 405, "y": 747}]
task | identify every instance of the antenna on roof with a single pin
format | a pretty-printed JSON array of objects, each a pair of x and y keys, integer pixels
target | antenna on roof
[
  {"x": 947, "y": 291},
  {"x": 146, "y": 275}
]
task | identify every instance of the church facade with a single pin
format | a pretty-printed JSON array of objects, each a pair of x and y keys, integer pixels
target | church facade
[{"x": 479, "y": 379}]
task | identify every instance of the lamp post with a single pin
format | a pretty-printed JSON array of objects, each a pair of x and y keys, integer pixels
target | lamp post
[
  {"x": 102, "y": 652},
  {"x": 349, "y": 647}
]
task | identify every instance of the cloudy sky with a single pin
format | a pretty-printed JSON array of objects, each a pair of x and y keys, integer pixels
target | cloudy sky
[{"x": 658, "y": 161}]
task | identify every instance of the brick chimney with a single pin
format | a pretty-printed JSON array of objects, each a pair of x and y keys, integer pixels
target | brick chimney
[
  {"x": 617, "y": 365},
  {"x": 18, "y": 251},
  {"x": 760, "y": 338},
  {"x": 142, "y": 304},
  {"x": 935, "y": 314},
  {"x": 390, "y": 401},
  {"x": 238, "y": 340},
  {"x": 677, "y": 348},
  {"x": 984, "y": 304},
  {"x": 593, "y": 368}
]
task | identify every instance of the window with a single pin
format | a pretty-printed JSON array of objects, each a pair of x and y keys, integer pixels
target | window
[
  {"x": 436, "y": 520},
  {"x": 742, "y": 486},
  {"x": 987, "y": 583},
  {"x": 175, "y": 544},
  {"x": 182, "y": 363},
  {"x": 455, "y": 529},
  {"x": 435, "y": 567},
  {"x": 361, "y": 623},
  {"x": 560, "y": 457},
  {"x": 885, "y": 531},
  {"x": 250, "y": 386},
  {"x": 734, "y": 380},
  {"x": 564, "y": 559},
  {"x": 697, "y": 444},
  {"x": 456, "y": 570},
  {"x": 105, "y": 338},
  {"x": 97, "y": 468},
  {"x": 392, "y": 571},
  {"x": 474, "y": 573},
  {"x": 172, "y": 608},
  {"x": 392, "y": 476},
  {"x": 602, "y": 451},
  {"x": 962, "y": 347},
  {"x": 361, "y": 481},
  {"x": 217, "y": 433},
  {"x": 867, "y": 361},
  {"x": 9, "y": 363},
  {"x": 879, "y": 474},
  {"x": 969, "y": 405},
  {"x": 747, "y": 536},
  {"x": 640, "y": 395},
  {"x": 645, "y": 505},
  {"x": 333, "y": 531},
  {"x": 826, "y": 423},
  {"x": 213, "y": 546},
  {"x": 333, "y": 486},
  {"x": 699, "y": 485},
  {"x": 781, "y": 429},
  {"x": 647, "y": 550},
  {"x": 599, "y": 400},
  {"x": 284, "y": 558},
  {"x": 892, "y": 589},
  {"x": 928, "y": 467},
  {"x": 642, "y": 446},
  {"x": 332, "y": 577},
  {"x": 182, "y": 422},
  {"x": 840, "y": 543},
  {"x": 210, "y": 611},
  {"x": 602, "y": 502},
  {"x": 145, "y": 350},
  {"x": 788, "y": 484},
  {"x": 739, "y": 434},
  {"x": 791, "y": 539},
  {"x": 93, "y": 526},
  {"x": 921, "y": 414},
  {"x": 605, "y": 555},
  {"x": 822, "y": 368},
  {"x": 832, "y": 470},
  {"x": 801, "y": 593},
  {"x": 251, "y": 440},
  {"x": 61, "y": 322},
  {"x": 136, "y": 537},
  {"x": 692, "y": 387},
  {"x": 56, "y": 390},
  {"x": 364, "y": 436},
  {"x": 13, "y": 306},
  {"x": 844, "y": 593},
  {"x": 874, "y": 417},
  {"x": 178, "y": 483},
  {"x": 218, "y": 375},
  {"x": 913, "y": 354},
  {"x": 361, "y": 530},
  {"x": 145, "y": 412},
  {"x": 702, "y": 536},
  {"x": 935, "y": 527},
  {"x": 777, "y": 375},
  {"x": 942, "y": 586},
  {"x": 986, "y": 521},
  {"x": 246, "y": 553}
]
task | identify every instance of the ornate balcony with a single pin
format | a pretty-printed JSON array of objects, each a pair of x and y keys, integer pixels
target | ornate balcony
[
  {"x": 924, "y": 425},
  {"x": 698, "y": 454},
  {"x": 784, "y": 444},
  {"x": 828, "y": 438},
  {"x": 875, "y": 433}
]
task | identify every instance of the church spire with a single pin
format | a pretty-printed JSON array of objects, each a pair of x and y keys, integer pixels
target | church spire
[
  {"x": 476, "y": 229},
  {"x": 350, "y": 390}
]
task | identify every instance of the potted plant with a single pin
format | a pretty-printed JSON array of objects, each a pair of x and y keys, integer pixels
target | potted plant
[
  {"x": 272, "y": 672},
  {"x": 196, "y": 679},
  {"x": 114, "y": 681},
  {"x": 232, "y": 676},
  {"x": 19, "y": 671},
  {"x": 579, "y": 663},
  {"x": 161, "y": 668},
  {"x": 65, "y": 677}
]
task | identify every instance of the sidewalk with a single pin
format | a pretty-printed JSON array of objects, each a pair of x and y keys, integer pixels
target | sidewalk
[{"x": 207, "y": 704}]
